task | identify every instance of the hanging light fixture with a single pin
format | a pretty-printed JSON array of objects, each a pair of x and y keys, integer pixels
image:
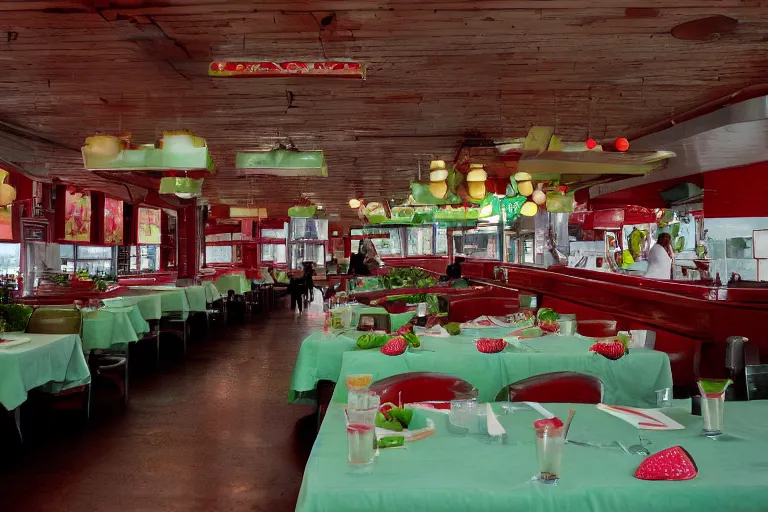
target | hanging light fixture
[
  {"x": 354, "y": 203},
  {"x": 184, "y": 188}
]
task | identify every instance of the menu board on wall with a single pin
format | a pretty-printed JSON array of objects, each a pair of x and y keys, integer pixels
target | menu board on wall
[
  {"x": 77, "y": 217},
  {"x": 113, "y": 221},
  {"x": 6, "y": 223},
  {"x": 149, "y": 226}
]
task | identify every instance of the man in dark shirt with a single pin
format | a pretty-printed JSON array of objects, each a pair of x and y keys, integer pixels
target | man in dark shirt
[{"x": 453, "y": 271}]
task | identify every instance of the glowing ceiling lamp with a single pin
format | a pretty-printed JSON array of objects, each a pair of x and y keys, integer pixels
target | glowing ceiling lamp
[
  {"x": 621, "y": 144},
  {"x": 239, "y": 212},
  {"x": 266, "y": 69}
]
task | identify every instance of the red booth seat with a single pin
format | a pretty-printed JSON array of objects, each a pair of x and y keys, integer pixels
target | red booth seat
[
  {"x": 557, "y": 387},
  {"x": 466, "y": 309},
  {"x": 597, "y": 328},
  {"x": 408, "y": 388}
]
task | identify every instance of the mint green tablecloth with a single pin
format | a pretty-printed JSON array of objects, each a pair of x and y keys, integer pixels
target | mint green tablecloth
[
  {"x": 212, "y": 293},
  {"x": 113, "y": 326},
  {"x": 632, "y": 380},
  {"x": 196, "y": 298},
  {"x": 55, "y": 360},
  {"x": 150, "y": 305},
  {"x": 236, "y": 282},
  {"x": 450, "y": 471}
]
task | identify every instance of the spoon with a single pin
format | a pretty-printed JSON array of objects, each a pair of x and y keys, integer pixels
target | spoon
[{"x": 571, "y": 414}]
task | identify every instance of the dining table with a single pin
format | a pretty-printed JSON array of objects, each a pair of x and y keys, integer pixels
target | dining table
[
  {"x": 112, "y": 327},
  {"x": 54, "y": 362},
  {"x": 456, "y": 469},
  {"x": 632, "y": 380},
  {"x": 236, "y": 282}
]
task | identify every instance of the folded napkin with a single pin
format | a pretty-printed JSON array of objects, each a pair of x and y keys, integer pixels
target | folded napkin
[
  {"x": 494, "y": 427},
  {"x": 644, "y": 419},
  {"x": 436, "y": 331},
  {"x": 485, "y": 321}
]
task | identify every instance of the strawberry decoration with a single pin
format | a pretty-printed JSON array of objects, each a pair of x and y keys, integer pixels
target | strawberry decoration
[
  {"x": 395, "y": 346},
  {"x": 545, "y": 423},
  {"x": 613, "y": 349},
  {"x": 549, "y": 326},
  {"x": 671, "y": 464},
  {"x": 491, "y": 345},
  {"x": 407, "y": 328}
]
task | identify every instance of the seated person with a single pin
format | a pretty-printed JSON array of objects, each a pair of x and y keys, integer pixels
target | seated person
[{"x": 453, "y": 271}]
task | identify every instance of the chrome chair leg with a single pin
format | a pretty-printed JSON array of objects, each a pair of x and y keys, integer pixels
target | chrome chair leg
[{"x": 17, "y": 421}]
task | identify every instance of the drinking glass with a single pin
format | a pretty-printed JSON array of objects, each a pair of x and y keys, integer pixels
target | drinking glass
[
  {"x": 712, "y": 405},
  {"x": 361, "y": 444},
  {"x": 549, "y": 448},
  {"x": 664, "y": 397},
  {"x": 464, "y": 414}
]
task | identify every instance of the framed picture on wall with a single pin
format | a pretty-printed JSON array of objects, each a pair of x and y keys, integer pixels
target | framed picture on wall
[
  {"x": 77, "y": 216},
  {"x": 113, "y": 221},
  {"x": 148, "y": 227}
]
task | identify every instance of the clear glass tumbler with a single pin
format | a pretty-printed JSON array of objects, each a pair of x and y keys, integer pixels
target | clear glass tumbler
[
  {"x": 549, "y": 448},
  {"x": 361, "y": 444}
]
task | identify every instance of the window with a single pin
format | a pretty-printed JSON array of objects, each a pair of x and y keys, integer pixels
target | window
[
  {"x": 274, "y": 233},
  {"x": 274, "y": 253},
  {"x": 391, "y": 246},
  {"x": 481, "y": 242},
  {"x": 93, "y": 258},
  {"x": 420, "y": 240},
  {"x": 145, "y": 258},
  {"x": 218, "y": 253},
  {"x": 441, "y": 245},
  {"x": 10, "y": 255}
]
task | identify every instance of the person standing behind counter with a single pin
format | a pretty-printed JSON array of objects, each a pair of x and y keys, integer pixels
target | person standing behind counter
[{"x": 660, "y": 258}]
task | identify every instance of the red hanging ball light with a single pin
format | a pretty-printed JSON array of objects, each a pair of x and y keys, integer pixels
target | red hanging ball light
[
  {"x": 591, "y": 143},
  {"x": 621, "y": 144}
]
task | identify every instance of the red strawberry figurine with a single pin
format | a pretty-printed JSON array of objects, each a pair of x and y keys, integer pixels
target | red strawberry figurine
[
  {"x": 491, "y": 345},
  {"x": 614, "y": 349},
  {"x": 394, "y": 347},
  {"x": 671, "y": 464}
]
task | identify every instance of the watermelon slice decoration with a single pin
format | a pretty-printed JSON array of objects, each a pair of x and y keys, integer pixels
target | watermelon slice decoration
[{"x": 673, "y": 463}]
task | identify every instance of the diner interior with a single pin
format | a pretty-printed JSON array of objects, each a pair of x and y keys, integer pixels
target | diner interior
[{"x": 354, "y": 255}]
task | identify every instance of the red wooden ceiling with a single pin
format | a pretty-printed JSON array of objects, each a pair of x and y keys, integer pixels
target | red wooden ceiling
[{"x": 437, "y": 70}]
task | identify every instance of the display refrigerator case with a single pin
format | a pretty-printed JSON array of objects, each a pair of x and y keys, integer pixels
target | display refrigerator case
[{"x": 308, "y": 240}]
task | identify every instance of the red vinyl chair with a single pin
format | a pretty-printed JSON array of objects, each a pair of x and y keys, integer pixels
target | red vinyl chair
[
  {"x": 564, "y": 387},
  {"x": 435, "y": 388},
  {"x": 597, "y": 328},
  {"x": 466, "y": 309}
]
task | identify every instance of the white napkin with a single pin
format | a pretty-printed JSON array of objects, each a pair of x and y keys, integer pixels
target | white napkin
[
  {"x": 434, "y": 332},
  {"x": 644, "y": 419},
  {"x": 494, "y": 427}
]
